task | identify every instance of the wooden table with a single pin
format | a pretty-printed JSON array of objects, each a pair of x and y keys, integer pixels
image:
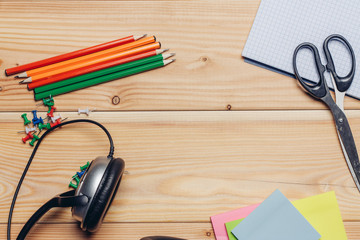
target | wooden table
[{"x": 207, "y": 134}]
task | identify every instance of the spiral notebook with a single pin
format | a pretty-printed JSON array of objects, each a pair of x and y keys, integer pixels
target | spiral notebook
[{"x": 281, "y": 25}]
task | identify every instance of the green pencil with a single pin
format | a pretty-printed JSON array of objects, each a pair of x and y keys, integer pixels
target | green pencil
[
  {"x": 102, "y": 72},
  {"x": 102, "y": 79}
]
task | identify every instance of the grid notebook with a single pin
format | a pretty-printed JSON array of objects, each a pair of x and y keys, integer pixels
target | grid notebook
[{"x": 281, "y": 25}]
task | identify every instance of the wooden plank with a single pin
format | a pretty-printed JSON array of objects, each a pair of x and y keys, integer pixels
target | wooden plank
[
  {"x": 208, "y": 37},
  {"x": 118, "y": 231},
  {"x": 185, "y": 166},
  {"x": 135, "y": 231}
]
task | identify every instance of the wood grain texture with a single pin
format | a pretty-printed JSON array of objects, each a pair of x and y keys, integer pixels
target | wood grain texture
[
  {"x": 207, "y": 36},
  {"x": 135, "y": 231},
  {"x": 181, "y": 166},
  {"x": 186, "y": 166},
  {"x": 119, "y": 231}
]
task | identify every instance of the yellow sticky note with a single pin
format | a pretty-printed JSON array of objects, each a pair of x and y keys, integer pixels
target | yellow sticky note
[{"x": 322, "y": 212}]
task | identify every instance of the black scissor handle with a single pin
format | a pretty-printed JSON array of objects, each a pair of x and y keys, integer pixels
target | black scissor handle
[
  {"x": 319, "y": 89},
  {"x": 342, "y": 83}
]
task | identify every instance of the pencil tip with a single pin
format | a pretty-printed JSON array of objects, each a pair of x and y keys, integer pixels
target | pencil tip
[
  {"x": 167, "y": 55},
  {"x": 140, "y": 36},
  {"x": 28, "y": 80},
  {"x": 22, "y": 75},
  {"x": 166, "y": 62},
  {"x": 21, "y": 82},
  {"x": 160, "y": 51}
]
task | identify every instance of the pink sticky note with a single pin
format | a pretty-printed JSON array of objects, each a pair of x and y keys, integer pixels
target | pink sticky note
[{"x": 218, "y": 221}]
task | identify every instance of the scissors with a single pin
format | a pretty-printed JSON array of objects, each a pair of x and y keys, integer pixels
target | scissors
[{"x": 320, "y": 90}]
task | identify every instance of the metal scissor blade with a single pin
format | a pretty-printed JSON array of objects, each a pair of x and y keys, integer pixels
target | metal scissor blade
[
  {"x": 348, "y": 161},
  {"x": 346, "y": 139},
  {"x": 339, "y": 96}
]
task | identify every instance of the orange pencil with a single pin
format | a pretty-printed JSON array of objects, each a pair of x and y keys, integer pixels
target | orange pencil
[
  {"x": 70, "y": 55},
  {"x": 92, "y": 68},
  {"x": 63, "y": 64},
  {"x": 85, "y": 63}
]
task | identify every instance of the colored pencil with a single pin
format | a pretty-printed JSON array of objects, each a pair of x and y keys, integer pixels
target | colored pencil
[
  {"x": 100, "y": 59},
  {"x": 102, "y": 72},
  {"x": 114, "y": 50},
  {"x": 70, "y": 55},
  {"x": 103, "y": 79},
  {"x": 89, "y": 69}
]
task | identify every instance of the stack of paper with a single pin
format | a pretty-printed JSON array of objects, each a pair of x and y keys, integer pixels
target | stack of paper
[
  {"x": 281, "y": 25},
  {"x": 312, "y": 218}
]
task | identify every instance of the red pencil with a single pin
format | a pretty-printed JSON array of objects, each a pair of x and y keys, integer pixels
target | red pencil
[
  {"x": 91, "y": 68},
  {"x": 70, "y": 55}
]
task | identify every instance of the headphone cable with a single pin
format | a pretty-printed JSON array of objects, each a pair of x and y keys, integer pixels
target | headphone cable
[{"x": 111, "y": 153}]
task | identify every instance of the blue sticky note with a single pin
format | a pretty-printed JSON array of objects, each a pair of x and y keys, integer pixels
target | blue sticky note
[{"x": 275, "y": 219}]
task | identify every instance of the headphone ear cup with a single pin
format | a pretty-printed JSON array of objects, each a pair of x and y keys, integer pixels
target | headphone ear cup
[{"x": 104, "y": 195}]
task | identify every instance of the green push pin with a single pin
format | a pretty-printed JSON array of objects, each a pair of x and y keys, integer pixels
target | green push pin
[
  {"x": 26, "y": 120},
  {"x": 77, "y": 180},
  {"x": 71, "y": 184},
  {"x": 82, "y": 168},
  {"x": 50, "y": 104},
  {"x": 36, "y": 137},
  {"x": 42, "y": 126},
  {"x": 48, "y": 101}
]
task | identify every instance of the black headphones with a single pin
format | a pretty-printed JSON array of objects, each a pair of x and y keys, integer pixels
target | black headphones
[{"x": 93, "y": 196}]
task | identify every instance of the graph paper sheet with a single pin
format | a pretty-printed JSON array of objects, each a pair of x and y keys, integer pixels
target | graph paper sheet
[{"x": 281, "y": 25}]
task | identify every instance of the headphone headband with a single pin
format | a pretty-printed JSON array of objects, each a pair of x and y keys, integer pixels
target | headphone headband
[{"x": 66, "y": 199}]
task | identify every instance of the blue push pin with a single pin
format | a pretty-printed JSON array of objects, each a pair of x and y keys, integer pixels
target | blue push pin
[
  {"x": 35, "y": 118},
  {"x": 80, "y": 173},
  {"x": 37, "y": 121}
]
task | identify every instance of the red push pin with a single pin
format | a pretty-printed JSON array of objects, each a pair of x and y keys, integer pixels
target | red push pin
[
  {"x": 58, "y": 121},
  {"x": 50, "y": 113},
  {"x": 28, "y": 136}
]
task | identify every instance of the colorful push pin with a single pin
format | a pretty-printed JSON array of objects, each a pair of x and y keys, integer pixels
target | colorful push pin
[
  {"x": 84, "y": 111},
  {"x": 71, "y": 184},
  {"x": 35, "y": 118},
  {"x": 35, "y": 138},
  {"x": 54, "y": 119},
  {"x": 77, "y": 180},
  {"x": 26, "y": 120},
  {"x": 42, "y": 126},
  {"x": 80, "y": 174},
  {"x": 29, "y": 129},
  {"x": 57, "y": 122},
  {"x": 48, "y": 101},
  {"x": 38, "y": 121},
  {"x": 50, "y": 112},
  {"x": 82, "y": 168},
  {"x": 28, "y": 136}
]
